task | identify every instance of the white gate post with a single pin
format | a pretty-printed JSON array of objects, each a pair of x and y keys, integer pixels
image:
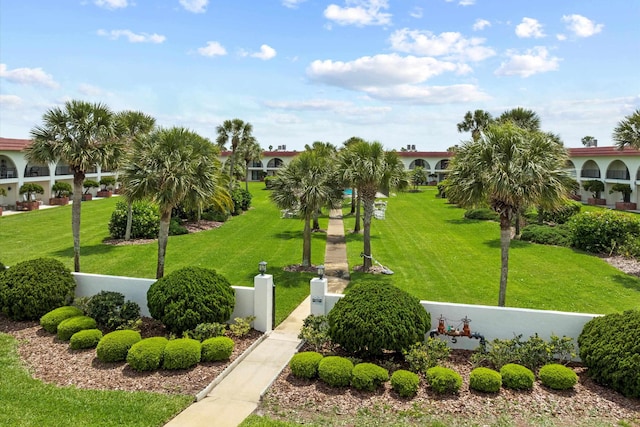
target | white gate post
[
  {"x": 318, "y": 294},
  {"x": 263, "y": 302}
]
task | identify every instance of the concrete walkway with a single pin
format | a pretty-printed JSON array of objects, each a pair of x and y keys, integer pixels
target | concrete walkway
[{"x": 235, "y": 394}]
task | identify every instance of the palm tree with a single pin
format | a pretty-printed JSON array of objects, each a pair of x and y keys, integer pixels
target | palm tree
[
  {"x": 249, "y": 151},
  {"x": 170, "y": 166},
  {"x": 326, "y": 153},
  {"x": 475, "y": 123},
  {"x": 306, "y": 184},
  {"x": 236, "y": 132},
  {"x": 131, "y": 125},
  {"x": 345, "y": 159},
  {"x": 627, "y": 132},
  {"x": 522, "y": 118},
  {"x": 82, "y": 135},
  {"x": 509, "y": 168},
  {"x": 370, "y": 168}
]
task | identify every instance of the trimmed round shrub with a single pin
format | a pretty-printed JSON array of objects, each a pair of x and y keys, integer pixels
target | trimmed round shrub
[
  {"x": 113, "y": 347},
  {"x": 305, "y": 364},
  {"x": 147, "y": 354},
  {"x": 52, "y": 319},
  {"x": 485, "y": 380},
  {"x": 405, "y": 383},
  {"x": 110, "y": 309},
  {"x": 368, "y": 376},
  {"x": 602, "y": 231},
  {"x": 443, "y": 380},
  {"x": 216, "y": 349},
  {"x": 483, "y": 214},
  {"x": 31, "y": 289},
  {"x": 87, "y": 338},
  {"x": 182, "y": 353},
  {"x": 557, "y": 377},
  {"x": 190, "y": 296},
  {"x": 517, "y": 377},
  {"x": 335, "y": 371},
  {"x": 373, "y": 317},
  {"x": 70, "y": 326},
  {"x": 145, "y": 221},
  {"x": 610, "y": 348},
  {"x": 546, "y": 235}
]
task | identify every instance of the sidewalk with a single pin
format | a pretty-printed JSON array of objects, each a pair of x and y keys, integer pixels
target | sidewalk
[{"x": 237, "y": 394}]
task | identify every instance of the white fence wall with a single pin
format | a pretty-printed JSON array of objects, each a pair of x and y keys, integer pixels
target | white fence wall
[
  {"x": 256, "y": 301},
  {"x": 491, "y": 322}
]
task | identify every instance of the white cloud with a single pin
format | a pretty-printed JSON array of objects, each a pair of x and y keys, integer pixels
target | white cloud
[
  {"x": 89, "y": 90},
  {"x": 28, "y": 76},
  {"x": 132, "y": 37},
  {"x": 533, "y": 61},
  {"x": 359, "y": 13},
  {"x": 10, "y": 101},
  {"x": 195, "y": 6},
  {"x": 528, "y": 28},
  {"x": 561, "y": 37},
  {"x": 416, "y": 12},
  {"x": 481, "y": 24},
  {"x": 449, "y": 45},
  {"x": 308, "y": 105},
  {"x": 418, "y": 94},
  {"x": 112, "y": 4},
  {"x": 266, "y": 53},
  {"x": 467, "y": 2},
  {"x": 292, "y": 4},
  {"x": 581, "y": 26},
  {"x": 212, "y": 49}
]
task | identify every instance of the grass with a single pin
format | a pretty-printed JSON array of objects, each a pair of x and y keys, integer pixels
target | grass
[
  {"x": 438, "y": 255},
  {"x": 27, "y": 402},
  {"x": 234, "y": 250}
]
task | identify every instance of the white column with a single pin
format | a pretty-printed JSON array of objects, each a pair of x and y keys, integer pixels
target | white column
[
  {"x": 263, "y": 302},
  {"x": 318, "y": 294}
]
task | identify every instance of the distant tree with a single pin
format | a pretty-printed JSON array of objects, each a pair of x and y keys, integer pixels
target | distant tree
[
  {"x": 249, "y": 150},
  {"x": 627, "y": 132},
  {"x": 345, "y": 159},
  {"x": 475, "y": 123},
  {"x": 508, "y": 168},
  {"x": 418, "y": 177},
  {"x": 522, "y": 118},
  {"x": 589, "y": 141},
  {"x": 235, "y": 132}
]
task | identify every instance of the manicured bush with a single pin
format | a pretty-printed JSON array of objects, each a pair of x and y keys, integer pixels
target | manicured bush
[
  {"x": 563, "y": 213},
  {"x": 52, "y": 319},
  {"x": 176, "y": 228},
  {"x": 205, "y": 331},
  {"x": 190, "y": 296},
  {"x": 147, "y": 354},
  {"x": 443, "y": 380},
  {"x": 241, "y": 326},
  {"x": 484, "y": 214},
  {"x": 31, "y": 289},
  {"x": 373, "y": 317},
  {"x": 315, "y": 332},
  {"x": 70, "y": 326},
  {"x": 485, "y": 380},
  {"x": 88, "y": 338},
  {"x": 241, "y": 200},
  {"x": 145, "y": 222},
  {"x": 517, "y": 377},
  {"x": 546, "y": 235},
  {"x": 405, "y": 383},
  {"x": 368, "y": 376},
  {"x": 557, "y": 377},
  {"x": 305, "y": 364},
  {"x": 426, "y": 354},
  {"x": 110, "y": 309},
  {"x": 335, "y": 371},
  {"x": 603, "y": 231},
  {"x": 610, "y": 348},
  {"x": 114, "y": 346},
  {"x": 216, "y": 349},
  {"x": 182, "y": 353}
]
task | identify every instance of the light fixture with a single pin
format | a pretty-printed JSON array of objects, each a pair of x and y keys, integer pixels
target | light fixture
[
  {"x": 321, "y": 271},
  {"x": 262, "y": 267}
]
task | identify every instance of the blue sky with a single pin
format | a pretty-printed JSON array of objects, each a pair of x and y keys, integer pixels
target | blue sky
[{"x": 399, "y": 72}]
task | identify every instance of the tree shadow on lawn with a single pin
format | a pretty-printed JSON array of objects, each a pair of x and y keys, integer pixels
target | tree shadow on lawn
[
  {"x": 627, "y": 281},
  {"x": 288, "y": 235},
  {"x": 99, "y": 249},
  {"x": 515, "y": 244}
]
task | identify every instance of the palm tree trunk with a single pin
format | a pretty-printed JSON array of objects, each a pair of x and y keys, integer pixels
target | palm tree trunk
[
  {"x": 505, "y": 241},
  {"x": 78, "y": 179},
  {"x": 163, "y": 238},
  {"x": 316, "y": 219},
  {"x": 306, "y": 242},
  {"x": 127, "y": 231},
  {"x": 518, "y": 219},
  {"x": 368, "y": 198},
  {"x": 231, "y": 168},
  {"x": 356, "y": 228},
  {"x": 246, "y": 176},
  {"x": 353, "y": 201}
]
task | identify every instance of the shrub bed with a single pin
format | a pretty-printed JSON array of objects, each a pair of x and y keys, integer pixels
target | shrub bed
[
  {"x": 483, "y": 214},
  {"x": 602, "y": 231},
  {"x": 485, "y": 380},
  {"x": 405, "y": 383},
  {"x": 443, "y": 380},
  {"x": 87, "y": 338},
  {"x": 182, "y": 353},
  {"x": 305, "y": 364},
  {"x": 368, "y": 376},
  {"x": 147, "y": 354},
  {"x": 145, "y": 221},
  {"x": 517, "y": 377},
  {"x": 557, "y": 377},
  {"x": 216, "y": 349},
  {"x": 70, "y": 326},
  {"x": 52, "y": 319},
  {"x": 546, "y": 235},
  {"x": 110, "y": 309},
  {"x": 335, "y": 371},
  {"x": 114, "y": 346}
]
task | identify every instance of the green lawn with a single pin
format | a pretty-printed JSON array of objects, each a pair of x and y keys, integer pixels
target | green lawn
[
  {"x": 27, "y": 402},
  {"x": 437, "y": 255}
]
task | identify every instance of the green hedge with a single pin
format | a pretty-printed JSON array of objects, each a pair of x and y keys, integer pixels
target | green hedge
[
  {"x": 485, "y": 380},
  {"x": 114, "y": 346},
  {"x": 305, "y": 364},
  {"x": 603, "y": 231},
  {"x": 557, "y": 377},
  {"x": 87, "y": 338},
  {"x": 405, "y": 383},
  {"x": 52, "y": 319},
  {"x": 145, "y": 222},
  {"x": 216, "y": 349},
  {"x": 335, "y": 371},
  {"x": 443, "y": 380},
  {"x": 517, "y": 377},
  {"x": 70, "y": 326},
  {"x": 147, "y": 354},
  {"x": 182, "y": 353},
  {"x": 368, "y": 376}
]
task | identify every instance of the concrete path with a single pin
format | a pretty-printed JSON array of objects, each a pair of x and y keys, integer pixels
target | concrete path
[{"x": 235, "y": 394}]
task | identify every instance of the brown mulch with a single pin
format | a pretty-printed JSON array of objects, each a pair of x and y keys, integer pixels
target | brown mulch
[
  {"x": 192, "y": 227},
  {"x": 51, "y": 360}
]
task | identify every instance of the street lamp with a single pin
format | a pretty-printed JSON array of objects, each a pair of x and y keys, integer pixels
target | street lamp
[
  {"x": 321, "y": 271},
  {"x": 262, "y": 267}
]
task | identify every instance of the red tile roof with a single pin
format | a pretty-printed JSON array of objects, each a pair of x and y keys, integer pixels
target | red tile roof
[
  {"x": 12, "y": 144},
  {"x": 602, "y": 151}
]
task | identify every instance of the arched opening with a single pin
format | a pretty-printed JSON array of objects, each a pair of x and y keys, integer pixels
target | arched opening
[
  {"x": 8, "y": 169},
  {"x": 590, "y": 169},
  {"x": 36, "y": 169},
  {"x": 570, "y": 168},
  {"x": 618, "y": 170},
  {"x": 275, "y": 163},
  {"x": 419, "y": 163},
  {"x": 442, "y": 164}
]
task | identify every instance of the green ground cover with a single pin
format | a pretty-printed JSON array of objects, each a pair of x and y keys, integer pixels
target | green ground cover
[
  {"x": 27, "y": 402},
  {"x": 438, "y": 255}
]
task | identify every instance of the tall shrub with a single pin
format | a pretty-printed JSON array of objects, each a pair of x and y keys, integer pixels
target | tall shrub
[
  {"x": 145, "y": 221},
  {"x": 602, "y": 231}
]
